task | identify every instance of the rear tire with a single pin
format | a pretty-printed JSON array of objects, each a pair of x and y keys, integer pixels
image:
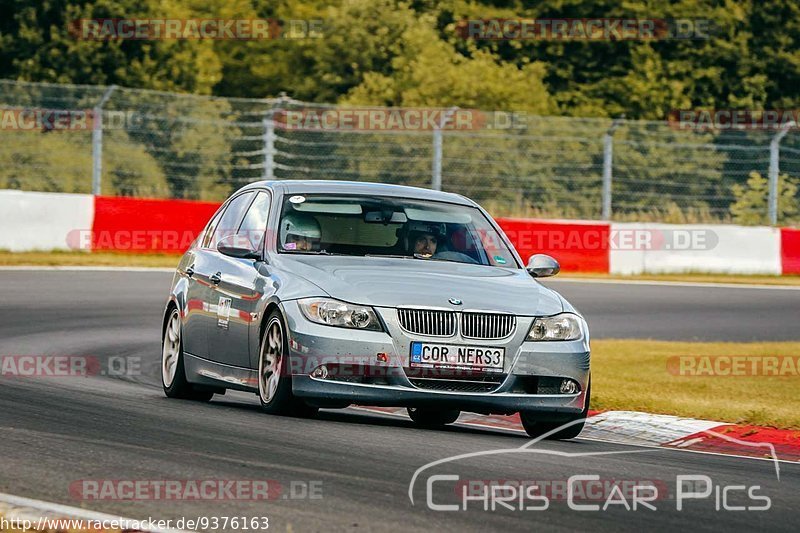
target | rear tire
[
  {"x": 432, "y": 418},
  {"x": 173, "y": 373},
  {"x": 274, "y": 374},
  {"x": 537, "y": 429}
]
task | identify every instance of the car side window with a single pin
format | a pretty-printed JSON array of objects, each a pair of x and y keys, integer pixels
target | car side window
[
  {"x": 231, "y": 218},
  {"x": 210, "y": 229},
  {"x": 254, "y": 224}
]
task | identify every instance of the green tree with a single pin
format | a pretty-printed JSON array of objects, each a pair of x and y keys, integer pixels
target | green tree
[
  {"x": 38, "y": 42},
  {"x": 429, "y": 72},
  {"x": 751, "y": 201},
  {"x": 61, "y": 161}
]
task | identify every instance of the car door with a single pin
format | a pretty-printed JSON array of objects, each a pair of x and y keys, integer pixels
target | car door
[
  {"x": 233, "y": 282},
  {"x": 199, "y": 291}
]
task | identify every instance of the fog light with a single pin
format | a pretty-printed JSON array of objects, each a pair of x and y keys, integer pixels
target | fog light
[
  {"x": 321, "y": 372},
  {"x": 568, "y": 386}
]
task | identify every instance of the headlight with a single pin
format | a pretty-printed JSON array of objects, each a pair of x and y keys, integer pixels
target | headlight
[
  {"x": 335, "y": 313},
  {"x": 563, "y": 327}
]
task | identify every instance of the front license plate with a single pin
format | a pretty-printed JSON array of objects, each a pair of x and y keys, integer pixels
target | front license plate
[{"x": 456, "y": 356}]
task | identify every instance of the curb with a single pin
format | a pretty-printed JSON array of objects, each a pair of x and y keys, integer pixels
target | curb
[
  {"x": 664, "y": 431},
  {"x": 749, "y": 441}
]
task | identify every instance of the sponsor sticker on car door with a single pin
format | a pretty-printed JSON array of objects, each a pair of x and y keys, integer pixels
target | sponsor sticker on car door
[{"x": 223, "y": 312}]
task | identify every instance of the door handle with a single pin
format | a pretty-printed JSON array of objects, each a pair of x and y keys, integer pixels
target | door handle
[
  {"x": 190, "y": 271},
  {"x": 216, "y": 278}
]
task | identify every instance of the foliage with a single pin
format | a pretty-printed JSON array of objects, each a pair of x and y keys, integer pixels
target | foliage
[
  {"x": 390, "y": 52},
  {"x": 61, "y": 161},
  {"x": 751, "y": 201},
  {"x": 38, "y": 42}
]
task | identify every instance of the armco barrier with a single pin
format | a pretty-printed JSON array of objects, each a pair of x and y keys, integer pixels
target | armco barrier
[
  {"x": 710, "y": 248},
  {"x": 579, "y": 246},
  {"x": 146, "y": 226},
  {"x": 41, "y": 220}
]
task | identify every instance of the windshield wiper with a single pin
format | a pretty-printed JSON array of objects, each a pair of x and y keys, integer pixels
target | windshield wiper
[
  {"x": 415, "y": 256},
  {"x": 309, "y": 252}
]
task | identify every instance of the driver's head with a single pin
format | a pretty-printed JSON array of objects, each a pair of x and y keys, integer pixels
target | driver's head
[
  {"x": 424, "y": 243},
  {"x": 300, "y": 231},
  {"x": 422, "y": 237}
]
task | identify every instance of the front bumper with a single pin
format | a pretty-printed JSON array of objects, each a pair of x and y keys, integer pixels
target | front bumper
[
  {"x": 547, "y": 406},
  {"x": 312, "y": 345}
]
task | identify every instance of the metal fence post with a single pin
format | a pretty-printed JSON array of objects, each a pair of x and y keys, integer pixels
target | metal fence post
[
  {"x": 97, "y": 141},
  {"x": 774, "y": 171},
  {"x": 608, "y": 159},
  {"x": 269, "y": 147},
  {"x": 436, "y": 170}
]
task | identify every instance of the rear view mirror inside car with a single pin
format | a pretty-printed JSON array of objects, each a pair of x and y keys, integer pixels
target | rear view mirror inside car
[{"x": 385, "y": 217}]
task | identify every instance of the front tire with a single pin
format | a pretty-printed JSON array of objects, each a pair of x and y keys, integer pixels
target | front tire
[
  {"x": 274, "y": 373},
  {"x": 173, "y": 373},
  {"x": 432, "y": 418}
]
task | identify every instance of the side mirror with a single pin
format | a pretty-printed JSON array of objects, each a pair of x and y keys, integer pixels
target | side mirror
[
  {"x": 542, "y": 266},
  {"x": 237, "y": 246}
]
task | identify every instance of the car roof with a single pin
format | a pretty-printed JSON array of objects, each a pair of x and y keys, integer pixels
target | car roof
[{"x": 359, "y": 187}]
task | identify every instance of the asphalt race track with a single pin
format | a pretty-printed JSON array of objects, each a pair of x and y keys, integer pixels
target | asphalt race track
[{"x": 58, "y": 431}]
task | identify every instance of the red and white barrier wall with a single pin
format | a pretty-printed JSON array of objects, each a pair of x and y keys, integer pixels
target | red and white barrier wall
[
  {"x": 579, "y": 246},
  {"x": 138, "y": 224},
  {"x": 790, "y": 251},
  {"x": 56, "y": 221},
  {"x": 42, "y": 220},
  {"x": 711, "y": 248}
]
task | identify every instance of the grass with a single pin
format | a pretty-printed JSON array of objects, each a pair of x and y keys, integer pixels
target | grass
[
  {"x": 695, "y": 277},
  {"x": 58, "y": 258},
  {"x": 633, "y": 375}
]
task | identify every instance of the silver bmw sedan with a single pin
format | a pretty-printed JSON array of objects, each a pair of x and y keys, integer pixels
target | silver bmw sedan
[{"x": 323, "y": 294}]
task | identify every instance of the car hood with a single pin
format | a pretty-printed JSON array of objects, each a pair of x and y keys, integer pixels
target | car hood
[{"x": 390, "y": 282}]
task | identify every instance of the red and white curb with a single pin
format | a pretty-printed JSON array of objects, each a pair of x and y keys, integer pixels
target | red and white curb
[{"x": 663, "y": 431}]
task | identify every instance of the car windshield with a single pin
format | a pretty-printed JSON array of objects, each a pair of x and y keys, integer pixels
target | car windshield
[{"x": 390, "y": 227}]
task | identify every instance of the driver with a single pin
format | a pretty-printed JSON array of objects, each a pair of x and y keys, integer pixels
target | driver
[
  {"x": 424, "y": 243},
  {"x": 301, "y": 232},
  {"x": 424, "y": 238}
]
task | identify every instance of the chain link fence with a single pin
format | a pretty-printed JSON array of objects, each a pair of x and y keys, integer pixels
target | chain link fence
[{"x": 130, "y": 142}]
